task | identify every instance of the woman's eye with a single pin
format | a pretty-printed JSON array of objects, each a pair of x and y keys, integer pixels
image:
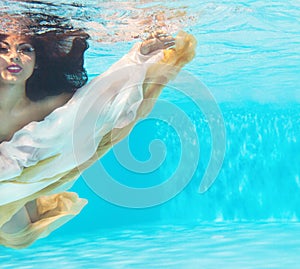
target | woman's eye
[
  {"x": 26, "y": 48},
  {"x": 3, "y": 50}
]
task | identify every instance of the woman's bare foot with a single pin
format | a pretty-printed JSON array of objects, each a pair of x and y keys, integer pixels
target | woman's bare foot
[{"x": 157, "y": 40}]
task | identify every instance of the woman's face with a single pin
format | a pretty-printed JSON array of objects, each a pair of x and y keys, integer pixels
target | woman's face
[{"x": 17, "y": 60}]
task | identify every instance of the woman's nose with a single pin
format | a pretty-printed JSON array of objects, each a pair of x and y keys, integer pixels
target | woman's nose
[
  {"x": 15, "y": 59},
  {"x": 14, "y": 55}
]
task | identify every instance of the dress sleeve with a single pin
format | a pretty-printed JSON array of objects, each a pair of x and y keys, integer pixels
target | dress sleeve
[
  {"x": 73, "y": 131},
  {"x": 42, "y": 158}
]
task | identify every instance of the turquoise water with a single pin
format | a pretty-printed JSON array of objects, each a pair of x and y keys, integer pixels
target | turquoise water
[
  {"x": 206, "y": 245},
  {"x": 248, "y": 58}
]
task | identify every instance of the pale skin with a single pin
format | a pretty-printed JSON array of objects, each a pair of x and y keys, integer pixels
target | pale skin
[
  {"x": 17, "y": 63},
  {"x": 16, "y": 109}
]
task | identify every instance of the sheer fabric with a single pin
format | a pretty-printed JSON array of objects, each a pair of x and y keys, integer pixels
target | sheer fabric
[{"x": 43, "y": 159}]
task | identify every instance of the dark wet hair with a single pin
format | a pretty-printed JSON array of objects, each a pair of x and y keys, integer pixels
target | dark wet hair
[{"x": 59, "y": 51}]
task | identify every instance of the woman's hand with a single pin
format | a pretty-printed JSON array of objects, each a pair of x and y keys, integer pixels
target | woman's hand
[{"x": 157, "y": 40}]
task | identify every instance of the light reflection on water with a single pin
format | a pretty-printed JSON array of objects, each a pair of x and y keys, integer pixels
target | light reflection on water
[
  {"x": 111, "y": 21},
  {"x": 248, "y": 50},
  {"x": 209, "y": 246}
]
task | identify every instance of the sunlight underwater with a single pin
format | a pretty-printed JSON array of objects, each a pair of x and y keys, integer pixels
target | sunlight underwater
[{"x": 247, "y": 56}]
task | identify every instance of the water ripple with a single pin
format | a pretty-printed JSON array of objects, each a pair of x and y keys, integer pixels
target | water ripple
[{"x": 234, "y": 245}]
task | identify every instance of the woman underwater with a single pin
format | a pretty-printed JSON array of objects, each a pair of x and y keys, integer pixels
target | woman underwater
[{"x": 54, "y": 125}]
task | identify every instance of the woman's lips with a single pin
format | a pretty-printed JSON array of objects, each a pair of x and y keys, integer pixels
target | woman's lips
[{"x": 14, "y": 68}]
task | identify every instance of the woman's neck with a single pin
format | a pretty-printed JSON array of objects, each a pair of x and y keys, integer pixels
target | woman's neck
[{"x": 13, "y": 97}]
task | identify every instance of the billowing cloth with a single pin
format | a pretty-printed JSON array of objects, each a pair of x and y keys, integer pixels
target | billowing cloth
[{"x": 43, "y": 159}]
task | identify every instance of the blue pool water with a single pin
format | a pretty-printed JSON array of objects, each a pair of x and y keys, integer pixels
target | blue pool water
[
  {"x": 206, "y": 245},
  {"x": 248, "y": 59}
]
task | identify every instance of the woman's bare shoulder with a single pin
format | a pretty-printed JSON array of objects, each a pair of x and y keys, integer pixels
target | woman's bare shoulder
[
  {"x": 33, "y": 111},
  {"x": 50, "y": 103}
]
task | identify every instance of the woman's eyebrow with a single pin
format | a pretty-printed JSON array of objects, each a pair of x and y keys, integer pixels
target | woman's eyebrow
[{"x": 24, "y": 43}]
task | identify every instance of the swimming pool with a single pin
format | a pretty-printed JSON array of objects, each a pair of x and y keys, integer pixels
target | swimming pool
[{"x": 248, "y": 58}]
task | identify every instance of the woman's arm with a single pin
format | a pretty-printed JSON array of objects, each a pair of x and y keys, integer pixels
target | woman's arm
[
  {"x": 48, "y": 155},
  {"x": 108, "y": 97},
  {"x": 111, "y": 102}
]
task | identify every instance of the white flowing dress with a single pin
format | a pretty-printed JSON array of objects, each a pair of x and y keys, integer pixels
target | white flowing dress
[
  {"x": 36, "y": 163},
  {"x": 74, "y": 130}
]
